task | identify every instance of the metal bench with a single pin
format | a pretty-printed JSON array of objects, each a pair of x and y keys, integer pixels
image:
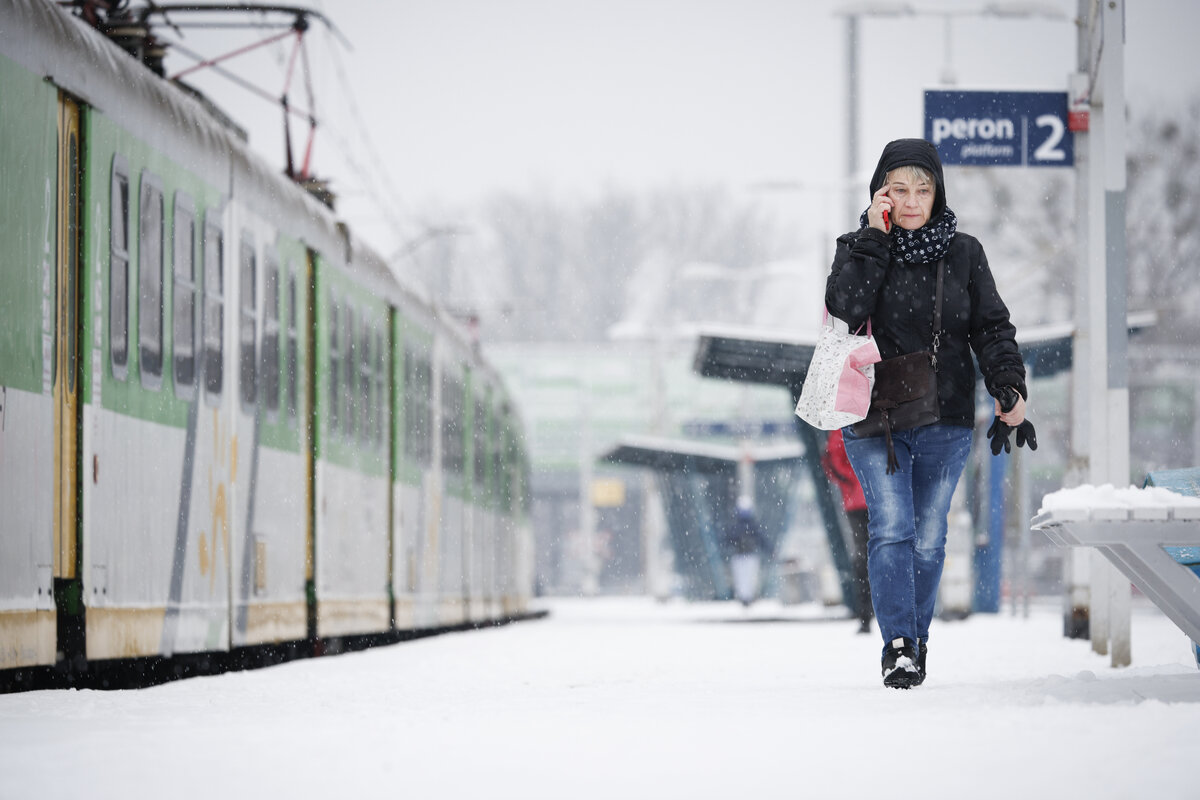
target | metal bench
[{"x": 1150, "y": 535}]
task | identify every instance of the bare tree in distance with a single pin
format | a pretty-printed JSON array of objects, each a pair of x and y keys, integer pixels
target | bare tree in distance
[
  {"x": 567, "y": 269},
  {"x": 1163, "y": 202},
  {"x": 1025, "y": 220},
  {"x": 568, "y": 264}
]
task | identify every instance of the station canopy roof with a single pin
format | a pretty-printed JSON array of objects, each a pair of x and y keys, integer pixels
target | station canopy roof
[
  {"x": 759, "y": 355},
  {"x": 681, "y": 455}
]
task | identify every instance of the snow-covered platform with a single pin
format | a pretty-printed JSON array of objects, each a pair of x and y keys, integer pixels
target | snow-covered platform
[
  {"x": 1151, "y": 535},
  {"x": 630, "y": 698}
]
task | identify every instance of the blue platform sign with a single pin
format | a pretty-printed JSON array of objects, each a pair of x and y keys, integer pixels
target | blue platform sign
[{"x": 999, "y": 129}]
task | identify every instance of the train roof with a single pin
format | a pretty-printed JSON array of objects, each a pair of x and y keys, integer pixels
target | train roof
[{"x": 51, "y": 42}]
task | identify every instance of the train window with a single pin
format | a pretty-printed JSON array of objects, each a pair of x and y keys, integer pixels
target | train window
[
  {"x": 453, "y": 457},
  {"x": 214, "y": 307},
  {"x": 521, "y": 496},
  {"x": 293, "y": 351},
  {"x": 366, "y": 381},
  {"x": 150, "y": 280},
  {"x": 505, "y": 485},
  {"x": 335, "y": 359},
  {"x": 270, "y": 344},
  {"x": 408, "y": 439},
  {"x": 118, "y": 270},
  {"x": 247, "y": 322},
  {"x": 425, "y": 368},
  {"x": 383, "y": 405},
  {"x": 183, "y": 251},
  {"x": 495, "y": 455},
  {"x": 480, "y": 439},
  {"x": 350, "y": 372},
  {"x": 514, "y": 477},
  {"x": 418, "y": 408},
  {"x": 359, "y": 381},
  {"x": 411, "y": 412}
]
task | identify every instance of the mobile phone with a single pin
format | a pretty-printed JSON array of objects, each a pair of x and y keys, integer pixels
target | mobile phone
[
  {"x": 1008, "y": 398},
  {"x": 887, "y": 225}
]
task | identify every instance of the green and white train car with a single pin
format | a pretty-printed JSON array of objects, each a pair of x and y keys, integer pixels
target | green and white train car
[{"x": 223, "y": 422}]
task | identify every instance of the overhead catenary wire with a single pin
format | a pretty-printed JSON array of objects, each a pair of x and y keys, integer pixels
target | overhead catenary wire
[
  {"x": 356, "y": 148},
  {"x": 378, "y": 182},
  {"x": 237, "y": 79},
  {"x": 380, "y": 185}
]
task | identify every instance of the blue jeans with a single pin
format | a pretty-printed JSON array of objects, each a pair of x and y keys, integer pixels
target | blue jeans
[{"x": 907, "y": 525}]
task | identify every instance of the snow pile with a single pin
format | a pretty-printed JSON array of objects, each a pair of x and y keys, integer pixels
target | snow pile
[{"x": 1108, "y": 496}]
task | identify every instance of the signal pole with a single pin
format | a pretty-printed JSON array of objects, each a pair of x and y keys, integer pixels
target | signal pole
[{"x": 1100, "y": 387}]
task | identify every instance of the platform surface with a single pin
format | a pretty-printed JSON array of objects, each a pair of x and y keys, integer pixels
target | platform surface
[{"x": 626, "y": 697}]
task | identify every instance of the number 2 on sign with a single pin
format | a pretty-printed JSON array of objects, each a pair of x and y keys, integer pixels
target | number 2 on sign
[{"x": 1049, "y": 149}]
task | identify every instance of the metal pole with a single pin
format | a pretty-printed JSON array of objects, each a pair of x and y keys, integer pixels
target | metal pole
[
  {"x": 589, "y": 583},
  {"x": 1113, "y": 97},
  {"x": 1105, "y": 332},
  {"x": 1112, "y": 69},
  {"x": 652, "y": 537},
  {"x": 1097, "y": 353},
  {"x": 1021, "y": 582},
  {"x": 851, "y": 117},
  {"x": 989, "y": 555},
  {"x": 1097, "y": 268},
  {"x": 654, "y": 503},
  {"x": 1077, "y": 561},
  {"x": 948, "y": 76}
]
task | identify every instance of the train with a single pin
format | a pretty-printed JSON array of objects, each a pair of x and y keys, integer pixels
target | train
[{"x": 227, "y": 427}]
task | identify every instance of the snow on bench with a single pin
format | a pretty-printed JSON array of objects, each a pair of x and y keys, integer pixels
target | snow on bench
[{"x": 1152, "y": 535}]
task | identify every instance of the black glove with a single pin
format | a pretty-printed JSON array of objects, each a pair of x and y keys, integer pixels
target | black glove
[
  {"x": 998, "y": 433},
  {"x": 1026, "y": 435}
]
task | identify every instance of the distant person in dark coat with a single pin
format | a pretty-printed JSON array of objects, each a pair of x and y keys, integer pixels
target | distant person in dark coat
[
  {"x": 841, "y": 474},
  {"x": 745, "y": 543}
]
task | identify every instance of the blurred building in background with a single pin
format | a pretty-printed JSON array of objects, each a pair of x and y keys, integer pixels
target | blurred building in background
[{"x": 590, "y": 519}]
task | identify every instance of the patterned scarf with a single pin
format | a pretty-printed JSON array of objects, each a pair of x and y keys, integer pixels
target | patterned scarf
[{"x": 928, "y": 243}]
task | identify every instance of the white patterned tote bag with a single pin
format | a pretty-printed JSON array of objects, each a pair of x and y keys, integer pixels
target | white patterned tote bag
[{"x": 837, "y": 389}]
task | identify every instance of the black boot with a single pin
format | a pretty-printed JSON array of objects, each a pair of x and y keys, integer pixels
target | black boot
[
  {"x": 922, "y": 649},
  {"x": 900, "y": 665}
]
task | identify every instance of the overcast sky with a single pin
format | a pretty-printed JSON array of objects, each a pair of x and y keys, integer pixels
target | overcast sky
[{"x": 459, "y": 99}]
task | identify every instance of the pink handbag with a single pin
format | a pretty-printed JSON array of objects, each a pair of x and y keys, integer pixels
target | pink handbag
[{"x": 837, "y": 388}]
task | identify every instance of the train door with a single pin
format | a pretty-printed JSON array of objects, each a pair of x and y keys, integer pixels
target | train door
[
  {"x": 386, "y": 361},
  {"x": 66, "y": 372},
  {"x": 309, "y": 440}
]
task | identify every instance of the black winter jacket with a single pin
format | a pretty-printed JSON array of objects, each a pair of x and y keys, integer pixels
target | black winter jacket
[{"x": 898, "y": 297}]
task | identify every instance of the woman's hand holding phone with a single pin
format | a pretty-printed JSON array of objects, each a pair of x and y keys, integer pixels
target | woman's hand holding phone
[{"x": 879, "y": 214}]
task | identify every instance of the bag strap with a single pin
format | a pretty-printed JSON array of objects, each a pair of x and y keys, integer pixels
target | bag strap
[
  {"x": 827, "y": 315},
  {"x": 937, "y": 312}
]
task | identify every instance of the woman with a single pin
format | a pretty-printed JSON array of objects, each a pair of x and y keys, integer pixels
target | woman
[{"x": 887, "y": 271}]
